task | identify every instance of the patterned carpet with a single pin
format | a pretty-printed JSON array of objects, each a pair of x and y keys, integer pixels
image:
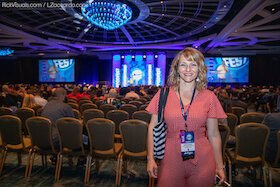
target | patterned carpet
[{"x": 13, "y": 175}]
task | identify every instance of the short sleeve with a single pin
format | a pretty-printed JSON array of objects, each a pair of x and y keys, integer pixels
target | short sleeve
[
  {"x": 215, "y": 108},
  {"x": 153, "y": 105}
]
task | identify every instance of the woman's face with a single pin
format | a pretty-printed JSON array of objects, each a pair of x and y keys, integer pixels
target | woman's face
[{"x": 188, "y": 70}]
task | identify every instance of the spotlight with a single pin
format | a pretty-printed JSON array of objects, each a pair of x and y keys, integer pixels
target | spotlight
[
  {"x": 122, "y": 57},
  {"x": 144, "y": 56},
  {"x": 156, "y": 56},
  {"x": 133, "y": 56}
]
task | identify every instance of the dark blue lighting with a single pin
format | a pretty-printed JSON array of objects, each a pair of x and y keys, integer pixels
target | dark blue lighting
[
  {"x": 6, "y": 51},
  {"x": 108, "y": 15}
]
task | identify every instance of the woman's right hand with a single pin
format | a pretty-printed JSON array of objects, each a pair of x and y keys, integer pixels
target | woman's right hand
[{"x": 152, "y": 168}]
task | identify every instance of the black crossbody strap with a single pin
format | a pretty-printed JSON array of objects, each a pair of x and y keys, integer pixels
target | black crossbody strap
[{"x": 162, "y": 101}]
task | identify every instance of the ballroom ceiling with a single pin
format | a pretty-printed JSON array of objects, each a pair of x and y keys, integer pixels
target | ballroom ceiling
[{"x": 218, "y": 27}]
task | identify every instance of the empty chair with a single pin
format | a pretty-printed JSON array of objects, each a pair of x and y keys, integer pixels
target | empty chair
[
  {"x": 39, "y": 129},
  {"x": 101, "y": 142},
  {"x": 74, "y": 105},
  {"x": 238, "y": 111},
  {"x": 224, "y": 132},
  {"x": 107, "y": 107},
  {"x": 117, "y": 116},
  {"x": 251, "y": 140},
  {"x": 143, "y": 107},
  {"x": 142, "y": 115},
  {"x": 238, "y": 103},
  {"x": 12, "y": 139},
  {"x": 81, "y": 102},
  {"x": 99, "y": 103},
  {"x": 5, "y": 111},
  {"x": 72, "y": 100},
  {"x": 24, "y": 114},
  {"x": 39, "y": 111},
  {"x": 129, "y": 108},
  {"x": 134, "y": 138},
  {"x": 275, "y": 165},
  {"x": 71, "y": 141},
  {"x": 232, "y": 122},
  {"x": 77, "y": 113},
  {"x": 256, "y": 117},
  {"x": 86, "y": 106},
  {"x": 126, "y": 100},
  {"x": 142, "y": 100},
  {"x": 136, "y": 103},
  {"x": 91, "y": 114}
]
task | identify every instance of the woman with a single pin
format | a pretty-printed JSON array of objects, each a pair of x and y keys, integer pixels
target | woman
[{"x": 187, "y": 81}]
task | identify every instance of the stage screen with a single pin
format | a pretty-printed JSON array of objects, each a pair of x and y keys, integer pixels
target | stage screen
[
  {"x": 57, "y": 70},
  {"x": 227, "y": 69}
]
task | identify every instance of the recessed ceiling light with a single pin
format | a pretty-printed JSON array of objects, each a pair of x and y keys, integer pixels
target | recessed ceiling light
[
  {"x": 272, "y": 9},
  {"x": 41, "y": 54}
]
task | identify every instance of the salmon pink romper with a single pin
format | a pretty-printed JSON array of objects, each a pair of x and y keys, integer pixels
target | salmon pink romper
[{"x": 197, "y": 172}]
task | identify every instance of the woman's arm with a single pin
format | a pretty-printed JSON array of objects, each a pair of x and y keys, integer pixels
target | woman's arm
[
  {"x": 215, "y": 141},
  {"x": 151, "y": 165}
]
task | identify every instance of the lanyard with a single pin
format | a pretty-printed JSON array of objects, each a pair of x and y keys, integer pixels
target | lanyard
[{"x": 185, "y": 114}]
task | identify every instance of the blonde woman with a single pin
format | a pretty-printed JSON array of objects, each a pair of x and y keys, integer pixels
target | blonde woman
[{"x": 191, "y": 113}]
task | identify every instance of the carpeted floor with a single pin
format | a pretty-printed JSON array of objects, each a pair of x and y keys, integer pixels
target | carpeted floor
[{"x": 13, "y": 175}]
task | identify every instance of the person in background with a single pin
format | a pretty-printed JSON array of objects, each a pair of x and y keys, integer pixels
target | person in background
[
  {"x": 75, "y": 94},
  {"x": 132, "y": 94},
  {"x": 191, "y": 113},
  {"x": 56, "y": 109},
  {"x": 222, "y": 71}
]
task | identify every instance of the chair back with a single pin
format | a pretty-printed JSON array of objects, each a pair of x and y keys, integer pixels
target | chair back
[
  {"x": 136, "y": 103},
  {"x": 107, "y": 107},
  {"x": 224, "y": 132},
  {"x": 72, "y": 100},
  {"x": 117, "y": 116},
  {"x": 5, "y": 111},
  {"x": 101, "y": 135},
  {"x": 238, "y": 111},
  {"x": 10, "y": 128},
  {"x": 39, "y": 111},
  {"x": 39, "y": 129},
  {"x": 91, "y": 114},
  {"x": 99, "y": 103},
  {"x": 142, "y": 115},
  {"x": 77, "y": 113},
  {"x": 70, "y": 135},
  {"x": 74, "y": 105},
  {"x": 276, "y": 161},
  {"x": 238, "y": 103},
  {"x": 81, "y": 102},
  {"x": 143, "y": 107},
  {"x": 86, "y": 106},
  {"x": 134, "y": 137},
  {"x": 126, "y": 100},
  {"x": 232, "y": 120},
  {"x": 129, "y": 108},
  {"x": 24, "y": 114},
  {"x": 251, "y": 140},
  {"x": 143, "y": 100},
  {"x": 256, "y": 117}
]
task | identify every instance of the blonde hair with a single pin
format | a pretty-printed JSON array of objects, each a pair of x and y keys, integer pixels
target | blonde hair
[
  {"x": 28, "y": 101},
  {"x": 192, "y": 55}
]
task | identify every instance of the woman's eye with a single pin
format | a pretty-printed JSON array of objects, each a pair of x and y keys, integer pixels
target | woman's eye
[
  {"x": 194, "y": 64},
  {"x": 182, "y": 64}
]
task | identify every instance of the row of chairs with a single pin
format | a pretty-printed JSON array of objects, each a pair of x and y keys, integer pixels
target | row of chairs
[{"x": 101, "y": 141}]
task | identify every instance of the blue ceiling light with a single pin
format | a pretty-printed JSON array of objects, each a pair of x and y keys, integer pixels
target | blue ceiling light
[
  {"x": 6, "y": 51},
  {"x": 105, "y": 14}
]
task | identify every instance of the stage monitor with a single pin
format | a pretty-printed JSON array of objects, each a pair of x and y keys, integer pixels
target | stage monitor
[
  {"x": 57, "y": 70},
  {"x": 227, "y": 69}
]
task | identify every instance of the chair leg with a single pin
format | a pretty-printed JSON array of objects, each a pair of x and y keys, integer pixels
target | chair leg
[
  {"x": 264, "y": 176},
  {"x": 270, "y": 177},
  {"x": 19, "y": 158},
  {"x": 88, "y": 167},
  {"x": 31, "y": 164},
  {"x": 117, "y": 172},
  {"x": 28, "y": 163},
  {"x": 120, "y": 170},
  {"x": 3, "y": 159},
  {"x": 58, "y": 166}
]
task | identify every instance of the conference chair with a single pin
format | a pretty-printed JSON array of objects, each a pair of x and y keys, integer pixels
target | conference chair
[
  {"x": 117, "y": 116},
  {"x": 70, "y": 132},
  {"x": 101, "y": 143},
  {"x": 24, "y": 114},
  {"x": 238, "y": 111},
  {"x": 251, "y": 140},
  {"x": 74, "y": 105},
  {"x": 142, "y": 115},
  {"x": 107, "y": 107},
  {"x": 91, "y": 114},
  {"x": 232, "y": 122},
  {"x": 5, "y": 111},
  {"x": 275, "y": 166},
  {"x": 224, "y": 132},
  {"x": 238, "y": 103},
  {"x": 256, "y": 117},
  {"x": 136, "y": 103},
  {"x": 126, "y": 100},
  {"x": 40, "y": 132},
  {"x": 129, "y": 108},
  {"x": 143, "y": 107},
  {"x": 12, "y": 139},
  {"x": 134, "y": 138},
  {"x": 81, "y": 102},
  {"x": 77, "y": 114},
  {"x": 86, "y": 106}
]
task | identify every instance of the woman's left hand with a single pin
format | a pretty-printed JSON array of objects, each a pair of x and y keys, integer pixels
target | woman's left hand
[{"x": 220, "y": 172}]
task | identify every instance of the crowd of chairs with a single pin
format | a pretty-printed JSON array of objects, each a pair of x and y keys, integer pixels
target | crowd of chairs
[
  {"x": 113, "y": 133},
  {"x": 244, "y": 141}
]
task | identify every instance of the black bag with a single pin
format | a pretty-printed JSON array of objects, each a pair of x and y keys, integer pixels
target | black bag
[{"x": 159, "y": 131}]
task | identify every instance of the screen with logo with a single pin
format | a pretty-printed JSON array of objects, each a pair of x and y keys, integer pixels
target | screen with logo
[
  {"x": 57, "y": 70},
  {"x": 227, "y": 69}
]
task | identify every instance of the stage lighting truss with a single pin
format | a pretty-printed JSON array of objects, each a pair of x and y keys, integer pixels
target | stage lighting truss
[
  {"x": 6, "y": 51},
  {"x": 108, "y": 15}
]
